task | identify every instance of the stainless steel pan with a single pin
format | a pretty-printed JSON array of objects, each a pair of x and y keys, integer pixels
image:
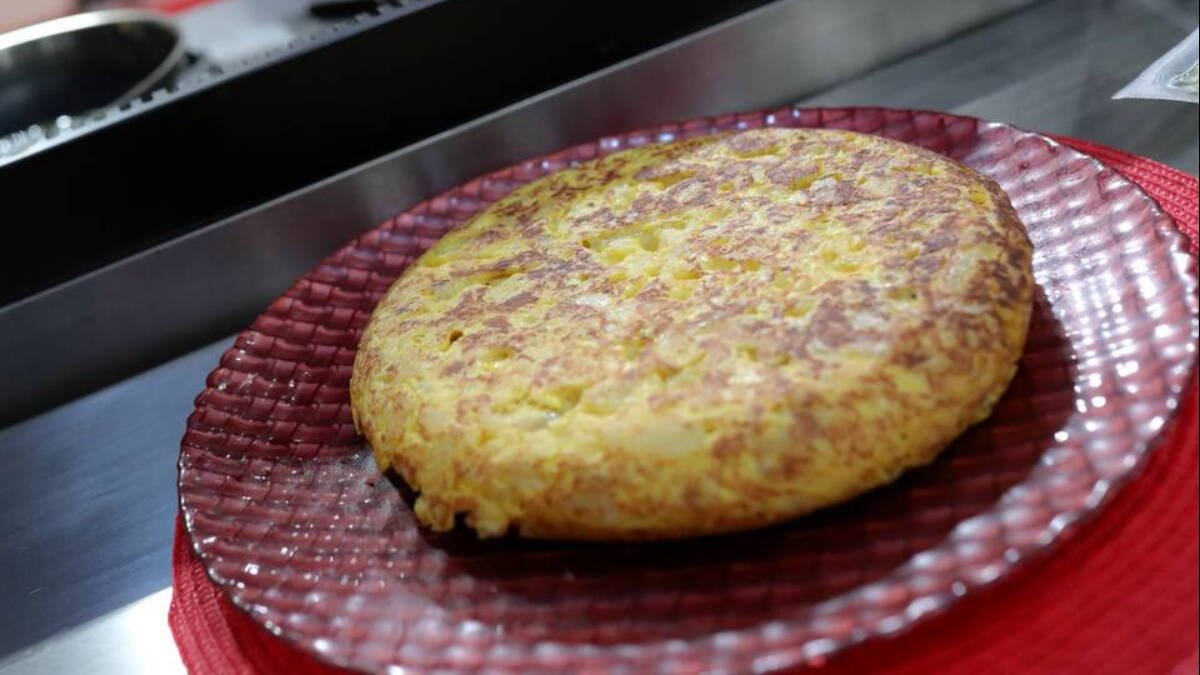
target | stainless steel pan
[{"x": 80, "y": 63}]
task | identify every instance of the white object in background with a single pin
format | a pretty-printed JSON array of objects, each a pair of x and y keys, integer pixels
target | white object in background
[
  {"x": 1171, "y": 77},
  {"x": 130, "y": 641},
  {"x": 230, "y": 31}
]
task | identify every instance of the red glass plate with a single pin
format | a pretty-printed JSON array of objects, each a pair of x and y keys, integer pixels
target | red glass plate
[{"x": 290, "y": 516}]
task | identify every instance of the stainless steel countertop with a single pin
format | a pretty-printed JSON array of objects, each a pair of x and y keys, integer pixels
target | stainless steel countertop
[
  {"x": 87, "y": 518},
  {"x": 88, "y": 512},
  {"x": 1054, "y": 69}
]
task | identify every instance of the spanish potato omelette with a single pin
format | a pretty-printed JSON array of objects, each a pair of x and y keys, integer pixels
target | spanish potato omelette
[{"x": 696, "y": 337}]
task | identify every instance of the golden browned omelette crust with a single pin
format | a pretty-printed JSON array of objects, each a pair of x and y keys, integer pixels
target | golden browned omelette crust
[{"x": 697, "y": 337}]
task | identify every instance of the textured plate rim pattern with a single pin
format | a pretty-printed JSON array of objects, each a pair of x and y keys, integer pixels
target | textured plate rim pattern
[{"x": 895, "y": 602}]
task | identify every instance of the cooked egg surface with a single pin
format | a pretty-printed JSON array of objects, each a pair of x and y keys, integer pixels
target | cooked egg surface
[{"x": 696, "y": 337}]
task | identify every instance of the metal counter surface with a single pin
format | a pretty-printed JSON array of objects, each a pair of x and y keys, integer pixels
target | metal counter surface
[
  {"x": 1053, "y": 69},
  {"x": 87, "y": 517}
]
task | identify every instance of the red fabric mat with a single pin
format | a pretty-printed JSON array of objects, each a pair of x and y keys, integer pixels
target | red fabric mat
[{"x": 1121, "y": 597}]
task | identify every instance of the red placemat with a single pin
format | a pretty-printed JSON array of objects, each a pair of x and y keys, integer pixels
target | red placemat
[{"x": 1121, "y": 597}]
